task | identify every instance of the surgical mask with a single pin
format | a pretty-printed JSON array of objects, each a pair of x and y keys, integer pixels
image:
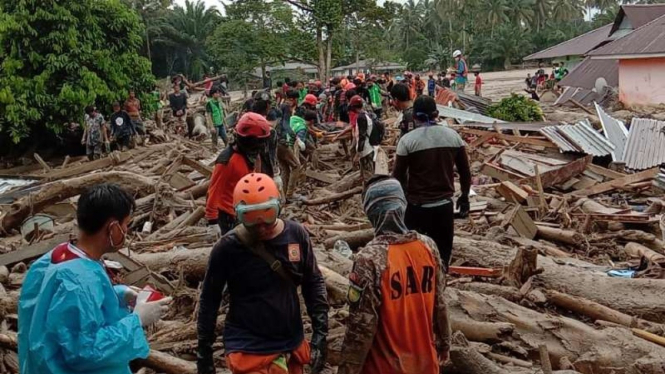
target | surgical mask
[{"x": 124, "y": 236}]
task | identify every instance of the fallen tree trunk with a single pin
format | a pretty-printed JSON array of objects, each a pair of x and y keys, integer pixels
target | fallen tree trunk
[
  {"x": 57, "y": 191},
  {"x": 333, "y": 198},
  {"x": 599, "y": 312},
  {"x": 559, "y": 235},
  {"x": 193, "y": 264},
  {"x": 355, "y": 239},
  {"x": 165, "y": 363},
  {"x": 635, "y": 297},
  {"x": 592, "y": 351},
  {"x": 638, "y": 250}
]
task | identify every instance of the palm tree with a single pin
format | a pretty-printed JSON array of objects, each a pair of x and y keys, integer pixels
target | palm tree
[
  {"x": 564, "y": 10},
  {"x": 541, "y": 10},
  {"x": 510, "y": 43},
  {"x": 408, "y": 23},
  {"x": 496, "y": 13},
  {"x": 521, "y": 12},
  {"x": 185, "y": 30},
  {"x": 149, "y": 11}
]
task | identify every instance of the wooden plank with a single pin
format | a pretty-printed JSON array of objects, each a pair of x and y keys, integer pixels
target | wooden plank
[
  {"x": 521, "y": 222},
  {"x": 322, "y": 177},
  {"x": 203, "y": 169},
  {"x": 607, "y": 173},
  {"x": 499, "y": 173},
  {"x": 382, "y": 164},
  {"x": 33, "y": 251},
  {"x": 482, "y": 139},
  {"x": 512, "y": 193},
  {"x": 560, "y": 175},
  {"x": 41, "y": 162},
  {"x": 584, "y": 182},
  {"x": 179, "y": 182},
  {"x": 87, "y": 167},
  {"x": 617, "y": 183},
  {"x": 512, "y": 138}
]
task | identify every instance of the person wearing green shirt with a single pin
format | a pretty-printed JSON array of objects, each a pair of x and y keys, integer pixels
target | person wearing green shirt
[
  {"x": 375, "y": 96},
  {"x": 157, "y": 106},
  {"x": 215, "y": 117},
  {"x": 302, "y": 92}
]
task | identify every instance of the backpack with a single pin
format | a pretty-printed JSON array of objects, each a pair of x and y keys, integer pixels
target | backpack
[{"x": 378, "y": 129}]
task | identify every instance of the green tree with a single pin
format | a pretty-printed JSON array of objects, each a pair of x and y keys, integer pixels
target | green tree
[
  {"x": 496, "y": 13},
  {"x": 520, "y": 12},
  {"x": 150, "y": 12},
  {"x": 59, "y": 56},
  {"x": 564, "y": 10}
]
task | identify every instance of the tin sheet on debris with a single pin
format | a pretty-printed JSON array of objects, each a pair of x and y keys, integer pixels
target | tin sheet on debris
[
  {"x": 580, "y": 137},
  {"x": 645, "y": 147},
  {"x": 462, "y": 116},
  {"x": 615, "y": 131}
]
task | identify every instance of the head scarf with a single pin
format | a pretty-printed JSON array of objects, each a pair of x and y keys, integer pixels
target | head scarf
[{"x": 385, "y": 205}]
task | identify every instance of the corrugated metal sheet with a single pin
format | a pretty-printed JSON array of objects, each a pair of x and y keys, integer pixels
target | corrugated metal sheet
[
  {"x": 580, "y": 137},
  {"x": 586, "y": 73},
  {"x": 462, "y": 116},
  {"x": 578, "y": 46},
  {"x": 7, "y": 184},
  {"x": 615, "y": 131},
  {"x": 521, "y": 126},
  {"x": 641, "y": 14},
  {"x": 648, "y": 39},
  {"x": 646, "y": 144},
  {"x": 479, "y": 103}
]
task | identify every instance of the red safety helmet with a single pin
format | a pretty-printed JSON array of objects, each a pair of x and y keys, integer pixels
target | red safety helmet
[
  {"x": 310, "y": 99},
  {"x": 350, "y": 86},
  {"x": 318, "y": 83},
  {"x": 356, "y": 102},
  {"x": 256, "y": 200},
  {"x": 253, "y": 125}
]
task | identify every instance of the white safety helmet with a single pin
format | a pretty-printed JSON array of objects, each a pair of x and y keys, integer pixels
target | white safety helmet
[{"x": 457, "y": 53}]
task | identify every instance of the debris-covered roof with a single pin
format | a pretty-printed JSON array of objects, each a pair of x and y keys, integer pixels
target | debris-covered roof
[
  {"x": 578, "y": 46},
  {"x": 647, "y": 41},
  {"x": 589, "y": 70},
  {"x": 580, "y": 137},
  {"x": 462, "y": 116},
  {"x": 615, "y": 131},
  {"x": 646, "y": 144}
]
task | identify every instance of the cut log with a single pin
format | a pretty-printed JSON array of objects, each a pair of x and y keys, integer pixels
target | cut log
[
  {"x": 335, "y": 197},
  {"x": 598, "y": 312},
  {"x": 348, "y": 182},
  {"x": 564, "y": 337},
  {"x": 638, "y": 250},
  {"x": 165, "y": 363},
  {"x": 637, "y": 297},
  {"x": 509, "y": 293},
  {"x": 466, "y": 359},
  {"x": 560, "y": 235},
  {"x": 523, "y": 267},
  {"x": 193, "y": 264},
  {"x": 63, "y": 189},
  {"x": 355, "y": 239},
  {"x": 617, "y": 183}
]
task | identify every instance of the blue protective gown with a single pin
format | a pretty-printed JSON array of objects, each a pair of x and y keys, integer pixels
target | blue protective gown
[{"x": 72, "y": 320}]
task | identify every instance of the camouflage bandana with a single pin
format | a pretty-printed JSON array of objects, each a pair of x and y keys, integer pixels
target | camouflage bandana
[{"x": 385, "y": 206}]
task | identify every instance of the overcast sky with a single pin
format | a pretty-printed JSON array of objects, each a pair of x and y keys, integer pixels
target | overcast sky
[{"x": 218, "y": 5}]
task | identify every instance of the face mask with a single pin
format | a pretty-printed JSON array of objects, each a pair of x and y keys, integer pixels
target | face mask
[{"x": 124, "y": 236}]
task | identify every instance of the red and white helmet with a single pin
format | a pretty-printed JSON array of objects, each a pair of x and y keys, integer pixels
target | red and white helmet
[{"x": 253, "y": 125}]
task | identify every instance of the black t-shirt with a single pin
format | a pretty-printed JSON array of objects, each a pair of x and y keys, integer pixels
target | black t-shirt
[
  {"x": 121, "y": 125},
  {"x": 178, "y": 102},
  {"x": 264, "y": 312}
]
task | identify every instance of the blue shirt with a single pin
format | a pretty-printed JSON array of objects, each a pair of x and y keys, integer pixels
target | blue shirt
[{"x": 461, "y": 68}]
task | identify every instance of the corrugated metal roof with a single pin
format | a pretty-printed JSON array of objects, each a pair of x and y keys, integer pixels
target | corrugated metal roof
[
  {"x": 646, "y": 144},
  {"x": 648, "y": 39},
  {"x": 615, "y": 131},
  {"x": 462, "y": 116},
  {"x": 580, "y": 137},
  {"x": 586, "y": 73},
  {"x": 574, "y": 47},
  {"x": 7, "y": 184},
  {"x": 480, "y": 103},
  {"x": 641, "y": 14}
]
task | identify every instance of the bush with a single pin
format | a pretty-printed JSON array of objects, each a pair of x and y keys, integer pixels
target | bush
[
  {"x": 57, "y": 57},
  {"x": 516, "y": 108}
]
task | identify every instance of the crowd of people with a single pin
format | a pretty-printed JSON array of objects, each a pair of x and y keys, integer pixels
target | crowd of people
[{"x": 74, "y": 317}]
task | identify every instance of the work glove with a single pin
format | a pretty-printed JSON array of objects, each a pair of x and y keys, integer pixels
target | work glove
[
  {"x": 318, "y": 347},
  {"x": 464, "y": 206},
  {"x": 301, "y": 144},
  {"x": 153, "y": 311}
]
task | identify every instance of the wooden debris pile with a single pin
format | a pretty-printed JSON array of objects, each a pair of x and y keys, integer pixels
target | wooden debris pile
[{"x": 530, "y": 287}]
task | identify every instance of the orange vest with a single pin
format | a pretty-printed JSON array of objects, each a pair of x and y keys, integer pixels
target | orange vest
[{"x": 404, "y": 341}]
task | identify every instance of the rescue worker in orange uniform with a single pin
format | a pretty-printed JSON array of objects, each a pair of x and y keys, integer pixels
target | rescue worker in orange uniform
[
  {"x": 398, "y": 321},
  {"x": 233, "y": 163},
  {"x": 262, "y": 262}
]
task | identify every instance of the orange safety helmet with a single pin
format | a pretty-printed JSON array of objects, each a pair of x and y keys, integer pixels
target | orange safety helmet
[
  {"x": 253, "y": 125},
  {"x": 256, "y": 200},
  {"x": 310, "y": 99},
  {"x": 349, "y": 87},
  {"x": 361, "y": 76},
  {"x": 356, "y": 102}
]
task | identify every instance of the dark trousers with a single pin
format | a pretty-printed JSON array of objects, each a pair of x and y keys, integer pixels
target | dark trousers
[
  {"x": 437, "y": 223},
  {"x": 226, "y": 222}
]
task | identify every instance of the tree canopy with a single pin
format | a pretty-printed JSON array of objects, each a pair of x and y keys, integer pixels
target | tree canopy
[{"x": 59, "y": 56}]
